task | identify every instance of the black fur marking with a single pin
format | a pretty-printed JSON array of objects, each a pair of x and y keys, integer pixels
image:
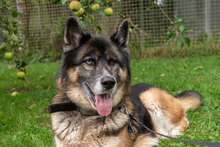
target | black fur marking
[
  {"x": 143, "y": 114},
  {"x": 189, "y": 93},
  {"x": 122, "y": 35},
  {"x": 100, "y": 43}
]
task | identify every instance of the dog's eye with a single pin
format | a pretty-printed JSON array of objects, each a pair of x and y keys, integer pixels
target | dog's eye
[
  {"x": 90, "y": 62},
  {"x": 112, "y": 62}
]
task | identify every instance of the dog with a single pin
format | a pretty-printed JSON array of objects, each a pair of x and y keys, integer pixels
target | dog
[{"x": 94, "y": 92}]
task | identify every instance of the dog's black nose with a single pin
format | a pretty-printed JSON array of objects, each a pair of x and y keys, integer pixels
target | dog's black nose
[{"x": 108, "y": 82}]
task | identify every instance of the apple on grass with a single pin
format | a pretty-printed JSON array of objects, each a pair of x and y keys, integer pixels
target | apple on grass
[
  {"x": 15, "y": 93},
  {"x": 9, "y": 55},
  {"x": 20, "y": 75}
]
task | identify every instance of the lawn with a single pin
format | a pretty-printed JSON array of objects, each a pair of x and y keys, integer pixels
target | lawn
[{"x": 24, "y": 120}]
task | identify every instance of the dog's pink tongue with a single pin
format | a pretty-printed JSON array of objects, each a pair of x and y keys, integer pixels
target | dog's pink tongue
[{"x": 103, "y": 105}]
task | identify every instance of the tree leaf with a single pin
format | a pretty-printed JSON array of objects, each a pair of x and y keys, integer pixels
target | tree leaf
[
  {"x": 121, "y": 14},
  {"x": 187, "y": 30},
  {"x": 148, "y": 7},
  {"x": 100, "y": 12},
  {"x": 91, "y": 18},
  {"x": 171, "y": 36},
  {"x": 63, "y": 1},
  {"x": 98, "y": 29},
  {"x": 3, "y": 45},
  {"x": 14, "y": 13},
  {"x": 56, "y": 1},
  {"x": 182, "y": 28},
  {"x": 84, "y": 24},
  {"x": 98, "y": 1},
  {"x": 187, "y": 41},
  {"x": 180, "y": 42}
]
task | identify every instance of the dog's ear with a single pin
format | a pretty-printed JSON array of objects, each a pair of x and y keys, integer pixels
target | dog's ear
[
  {"x": 72, "y": 35},
  {"x": 122, "y": 35}
]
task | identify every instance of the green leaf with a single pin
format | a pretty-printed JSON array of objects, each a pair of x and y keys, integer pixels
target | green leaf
[
  {"x": 121, "y": 14},
  {"x": 5, "y": 32},
  {"x": 182, "y": 23},
  {"x": 91, "y": 18},
  {"x": 171, "y": 36},
  {"x": 14, "y": 37},
  {"x": 91, "y": 1},
  {"x": 101, "y": 12},
  {"x": 182, "y": 28},
  {"x": 14, "y": 13},
  {"x": 109, "y": 4},
  {"x": 4, "y": 26},
  {"x": 3, "y": 45},
  {"x": 177, "y": 19},
  {"x": 148, "y": 7},
  {"x": 56, "y": 1},
  {"x": 104, "y": 2},
  {"x": 187, "y": 30},
  {"x": 84, "y": 24},
  {"x": 63, "y": 1},
  {"x": 98, "y": 29},
  {"x": 187, "y": 41},
  {"x": 98, "y": 1},
  {"x": 180, "y": 42}
]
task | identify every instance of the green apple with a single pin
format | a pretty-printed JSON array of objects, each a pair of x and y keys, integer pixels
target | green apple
[
  {"x": 130, "y": 30},
  {"x": 108, "y": 11},
  {"x": 75, "y": 6},
  {"x": 9, "y": 55},
  {"x": 95, "y": 7},
  {"x": 15, "y": 93},
  {"x": 80, "y": 12},
  {"x": 20, "y": 75},
  {"x": 11, "y": 43}
]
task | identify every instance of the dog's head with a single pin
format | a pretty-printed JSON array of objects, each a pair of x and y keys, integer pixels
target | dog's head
[{"x": 95, "y": 72}]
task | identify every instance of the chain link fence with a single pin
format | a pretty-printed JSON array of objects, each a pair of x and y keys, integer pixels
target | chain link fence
[{"x": 42, "y": 22}]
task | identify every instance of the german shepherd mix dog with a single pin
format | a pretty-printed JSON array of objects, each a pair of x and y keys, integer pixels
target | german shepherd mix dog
[{"x": 95, "y": 78}]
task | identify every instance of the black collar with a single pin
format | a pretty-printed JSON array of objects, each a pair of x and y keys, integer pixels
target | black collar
[
  {"x": 63, "y": 106},
  {"x": 70, "y": 106}
]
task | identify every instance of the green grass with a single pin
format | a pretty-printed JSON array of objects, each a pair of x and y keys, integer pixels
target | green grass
[{"x": 24, "y": 120}]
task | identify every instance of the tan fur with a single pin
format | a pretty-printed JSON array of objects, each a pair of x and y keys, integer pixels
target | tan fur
[
  {"x": 167, "y": 113},
  {"x": 190, "y": 102},
  {"x": 58, "y": 83},
  {"x": 75, "y": 94},
  {"x": 170, "y": 106},
  {"x": 123, "y": 74},
  {"x": 73, "y": 74},
  {"x": 145, "y": 140}
]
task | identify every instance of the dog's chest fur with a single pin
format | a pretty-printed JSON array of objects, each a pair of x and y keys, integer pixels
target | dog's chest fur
[{"x": 74, "y": 129}]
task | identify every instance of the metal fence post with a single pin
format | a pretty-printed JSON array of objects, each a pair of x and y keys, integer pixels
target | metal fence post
[{"x": 207, "y": 17}]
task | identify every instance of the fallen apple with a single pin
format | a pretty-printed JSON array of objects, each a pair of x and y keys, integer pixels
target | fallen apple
[
  {"x": 9, "y": 55},
  {"x": 15, "y": 93},
  {"x": 20, "y": 75}
]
